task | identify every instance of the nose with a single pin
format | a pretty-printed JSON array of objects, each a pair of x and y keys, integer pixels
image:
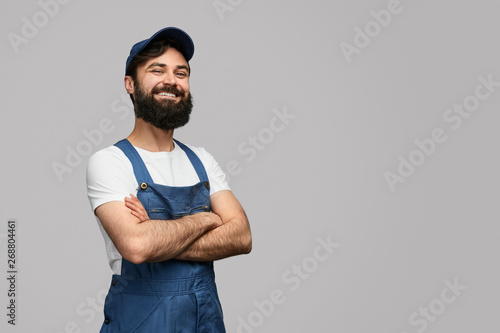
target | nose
[{"x": 169, "y": 79}]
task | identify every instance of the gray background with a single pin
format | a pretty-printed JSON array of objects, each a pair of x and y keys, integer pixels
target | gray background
[{"x": 321, "y": 175}]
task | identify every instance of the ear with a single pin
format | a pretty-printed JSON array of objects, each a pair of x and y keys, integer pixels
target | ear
[{"x": 129, "y": 84}]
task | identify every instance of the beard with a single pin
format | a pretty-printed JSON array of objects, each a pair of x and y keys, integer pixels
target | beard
[{"x": 164, "y": 114}]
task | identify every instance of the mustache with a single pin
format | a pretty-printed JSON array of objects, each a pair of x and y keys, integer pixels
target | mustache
[{"x": 168, "y": 89}]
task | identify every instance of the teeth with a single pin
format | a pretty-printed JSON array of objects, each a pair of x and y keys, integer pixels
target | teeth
[{"x": 166, "y": 94}]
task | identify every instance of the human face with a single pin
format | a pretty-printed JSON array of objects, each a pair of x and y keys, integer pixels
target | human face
[
  {"x": 170, "y": 70},
  {"x": 161, "y": 92}
]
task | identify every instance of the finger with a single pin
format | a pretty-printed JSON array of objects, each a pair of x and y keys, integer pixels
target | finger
[
  {"x": 134, "y": 199},
  {"x": 135, "y": 210},
  {"x": 136, "y": 202},
  {"x": 138, "y": 211},
  {"x": 132, "y": 202},
  {"x": 136, "y": 214},
  {"x": 129, "y": 204},
  {"x": 139, "y": 217}
]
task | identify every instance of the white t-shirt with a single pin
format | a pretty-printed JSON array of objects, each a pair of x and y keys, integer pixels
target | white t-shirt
[{"x": 110, "y": 177}]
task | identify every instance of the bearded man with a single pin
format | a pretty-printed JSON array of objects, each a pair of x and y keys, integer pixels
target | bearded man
[{"x": 164, "y": 208}]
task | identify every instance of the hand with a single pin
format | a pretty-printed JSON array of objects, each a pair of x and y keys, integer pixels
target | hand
[
  {"x": 210, "y": 218},
  {"x": 136, "y": 208}
]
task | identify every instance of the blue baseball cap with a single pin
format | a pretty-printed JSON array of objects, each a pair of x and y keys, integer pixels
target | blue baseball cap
[{"x": 180, "y": 36}]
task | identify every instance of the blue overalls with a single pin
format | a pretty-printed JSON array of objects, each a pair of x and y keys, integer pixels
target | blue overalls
[{"x": 173, "y": 295}]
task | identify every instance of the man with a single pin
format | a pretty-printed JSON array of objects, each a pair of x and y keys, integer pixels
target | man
[{"x": 162, "y": 241}]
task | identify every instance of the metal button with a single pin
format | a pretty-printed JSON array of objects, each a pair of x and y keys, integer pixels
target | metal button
[
  {"x": 113, "y": 283},
  {"x": 106, "y": 321},
  {"x": 144, "y": 186},
  {"x": 207, "y": 185}
]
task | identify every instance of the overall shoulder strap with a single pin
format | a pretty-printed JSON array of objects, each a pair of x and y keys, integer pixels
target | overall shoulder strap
[
  {"x": 195, "y": 161},
  {"x": 141, "y": 172}
]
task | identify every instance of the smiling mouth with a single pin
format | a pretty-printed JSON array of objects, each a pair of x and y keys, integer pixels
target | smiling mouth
[{"x": 166, "y": 94}]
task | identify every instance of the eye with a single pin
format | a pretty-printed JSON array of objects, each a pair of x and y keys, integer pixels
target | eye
[
  {"x": 182, "y": 74},
  {"x": 156, "y": 70}
]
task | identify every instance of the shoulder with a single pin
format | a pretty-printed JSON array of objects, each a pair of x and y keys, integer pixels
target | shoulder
[
  {"x": 202, "y": 153},
  {"x": 216, "y": 175},
  {"x": 107, "y": 161},
  {"x": 110, "y": 176},
  {"x": 111, "y": 154}
]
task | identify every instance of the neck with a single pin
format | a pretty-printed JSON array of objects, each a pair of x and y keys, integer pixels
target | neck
[{"x": 151, "y": 138}]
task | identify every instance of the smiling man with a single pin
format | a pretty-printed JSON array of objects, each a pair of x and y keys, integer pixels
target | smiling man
[{"x": 164, "y": 208}]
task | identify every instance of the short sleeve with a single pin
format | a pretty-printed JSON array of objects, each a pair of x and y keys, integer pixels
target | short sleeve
[
  {"x": 216, "y": 175},
  {"x": 110, "y": 177}
]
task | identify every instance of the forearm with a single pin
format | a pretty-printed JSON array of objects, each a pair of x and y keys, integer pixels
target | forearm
[
  {"x": 228, "y": 237},
  {"x": 231, "y": 238},
  {"x": 159, "y": 240}
]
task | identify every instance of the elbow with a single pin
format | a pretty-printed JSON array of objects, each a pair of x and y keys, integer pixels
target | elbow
[
  {"x": 247, "y": 249},
  {"x": 135, "y": 257},
  {"x": 138, "y": 252},
  {"x": 134, "y": 252},
  {"x": 246, "y": 239},
  {"x": 137, "y": 260},
  {"x": 247, "y": 245}
]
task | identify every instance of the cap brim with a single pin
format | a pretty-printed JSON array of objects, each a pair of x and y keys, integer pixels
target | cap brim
[{"x": 176, "y": 34}]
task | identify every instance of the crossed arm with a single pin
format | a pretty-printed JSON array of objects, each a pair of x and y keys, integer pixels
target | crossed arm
[{"x": 222, "y": 233}]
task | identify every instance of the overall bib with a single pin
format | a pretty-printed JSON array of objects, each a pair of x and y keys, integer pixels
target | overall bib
[{"x": 173, "y": 295}]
